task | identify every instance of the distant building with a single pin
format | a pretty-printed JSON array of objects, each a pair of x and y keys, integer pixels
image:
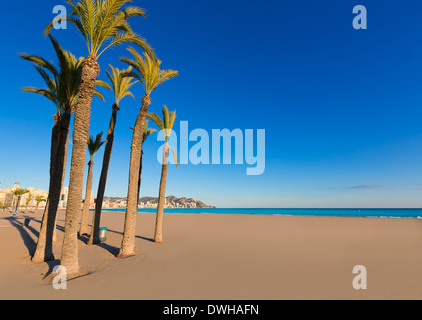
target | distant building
[
  {"x": 63, "y": 197},
  {"x": 6, "y": 196},
  {"x": 106, "y": 204},
  {"x": 91, "y": 202}
]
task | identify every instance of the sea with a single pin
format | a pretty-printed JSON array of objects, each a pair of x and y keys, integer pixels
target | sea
[{"x": 369, "y": 213}]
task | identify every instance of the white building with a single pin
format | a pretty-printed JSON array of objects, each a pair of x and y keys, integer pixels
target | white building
[
  {"x": 6, "y": 196},
  {"x": 63, "y": 197}
]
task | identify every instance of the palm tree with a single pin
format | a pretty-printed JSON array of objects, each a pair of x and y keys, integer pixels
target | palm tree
[
  {"x": 14, "y": 196},
  {"x": 50, "y": 75},
  {"x": 62, "y": 88},
  {"x": 147, "y": 133},
  {"x": 18, "y": 193},
  {"x": 147, "y": 71},
  {"x": 166, "y": 127},
  {"x": 120, "y": 86},
  {"x": 103, "y": 24},
  {"x": 27, "y": 201},
  {"x": 39, "y": 199},
  {"x": 93, "y": 147}
]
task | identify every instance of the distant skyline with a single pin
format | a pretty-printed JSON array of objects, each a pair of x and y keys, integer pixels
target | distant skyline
[{"x": 342, "y": 108}]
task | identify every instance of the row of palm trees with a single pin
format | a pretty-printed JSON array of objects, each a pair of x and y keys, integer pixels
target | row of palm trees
[
  {"x": 18, "y": 193},
  {"x": 71, "y": 86}
]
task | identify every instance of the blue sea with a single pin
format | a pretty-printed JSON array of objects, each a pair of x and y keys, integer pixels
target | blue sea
[{"x": 373, "y": 213}]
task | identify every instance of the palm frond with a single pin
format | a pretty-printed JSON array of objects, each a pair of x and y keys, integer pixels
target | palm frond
[
  {"x": 147, "y": 70},
  {"x": 19, "y": 192},
  {"x": 175, "y": 156},
  {"x": 94, "y": 144},
  {"x": 62, "y": 82},
  {"x": 165, "y": 124},
  {"x": 104, "y": 24},
  {"x": 157, "y": 120},
  {"x": 120, "y": 83},
  {"x": 148, "y": 131},
  {"x": 40, "y": 198},
  {"x": 43, "y": 92},
  {"x": 40, "y": 61}
]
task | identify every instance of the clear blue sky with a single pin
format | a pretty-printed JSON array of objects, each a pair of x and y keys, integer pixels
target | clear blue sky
[{"x": 341, "y": 107}]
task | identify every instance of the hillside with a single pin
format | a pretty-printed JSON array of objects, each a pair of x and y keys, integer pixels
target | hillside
[{"x": 176, "y": 202}]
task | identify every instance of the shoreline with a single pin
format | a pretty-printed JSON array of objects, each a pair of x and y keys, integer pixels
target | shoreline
[{"x": 226, "y": 211}]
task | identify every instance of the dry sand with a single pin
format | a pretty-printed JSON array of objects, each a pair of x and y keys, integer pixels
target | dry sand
[{"x": 226, "y": 257}]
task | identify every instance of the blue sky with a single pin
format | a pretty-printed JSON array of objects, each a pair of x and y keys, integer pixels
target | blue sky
[{"x": 341, "y": 107}]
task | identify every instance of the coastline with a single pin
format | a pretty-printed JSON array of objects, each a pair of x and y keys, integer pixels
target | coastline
[
  {"x": 226, "y": 257},
  {"x": 396, "y": 213}
]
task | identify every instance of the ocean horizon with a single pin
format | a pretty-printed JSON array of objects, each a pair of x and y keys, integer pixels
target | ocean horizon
[{"x": 355, "y": 212}]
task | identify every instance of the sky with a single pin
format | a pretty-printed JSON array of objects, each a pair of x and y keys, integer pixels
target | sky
[{"x": 341, "y": 108}]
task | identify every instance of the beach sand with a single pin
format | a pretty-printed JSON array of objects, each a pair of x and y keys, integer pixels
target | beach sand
[{"x": 225, "y": 257}]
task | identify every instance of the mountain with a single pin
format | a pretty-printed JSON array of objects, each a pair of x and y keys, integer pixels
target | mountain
[{"x": 172, "y": 200}]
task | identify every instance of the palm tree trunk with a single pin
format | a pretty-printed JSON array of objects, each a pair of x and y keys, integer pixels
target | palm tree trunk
[
  {"x": 140, "y": 175},
  {"x": 128, "y": 244},
  {"x": 96, "y": 221},
  {"x": 55, "y": 136},
  {"x": 17, "y": 203},
  {"x": 44, "y": 249},
  {"x": 70, "y": 260},
  {"x": 162, "y": 197},
  {"x": 87, "y": 203},
  {"x": 61, "y": 187}
]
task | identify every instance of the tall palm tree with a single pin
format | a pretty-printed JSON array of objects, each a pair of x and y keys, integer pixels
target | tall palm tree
[
  {"x": 18, "y": 193},
  {"x": 166, "y": 127},
  {"x": 120, "y": 86},
  {"x": 62, "y": 87},
  {"x": 103, "y": 24},
  {"x": 147, "y": 71},
  {"x": 39, "y": 199},
  {"x": 147, "y": 133},
  {"x": 28, "y": 200},
  {"x": 93, "y": 147},
  {"x": 50, "y": 74}
]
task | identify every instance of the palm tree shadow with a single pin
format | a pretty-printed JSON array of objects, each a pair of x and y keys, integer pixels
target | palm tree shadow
[
  {"x": 113, "y": 250},
  {"x": 26, "y": 237},
  {"x": 84, "y": 238},
  {"x": 145, "y": 238},
  {"x": 51, "y": 265},
  {"x": 58, "y": 227},
  {"x": 138, "y": 237}
]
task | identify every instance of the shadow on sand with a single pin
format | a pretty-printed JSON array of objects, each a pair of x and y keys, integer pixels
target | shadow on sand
[
  {"x": 138, "y": 237},
  {"x": 27, "y": 239},
  {"x": 30, "y": 243},
  {"x": 111, "y": 249}
]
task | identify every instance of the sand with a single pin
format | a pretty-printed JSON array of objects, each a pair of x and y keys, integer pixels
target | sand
[{"x": 225, "y": 257}]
